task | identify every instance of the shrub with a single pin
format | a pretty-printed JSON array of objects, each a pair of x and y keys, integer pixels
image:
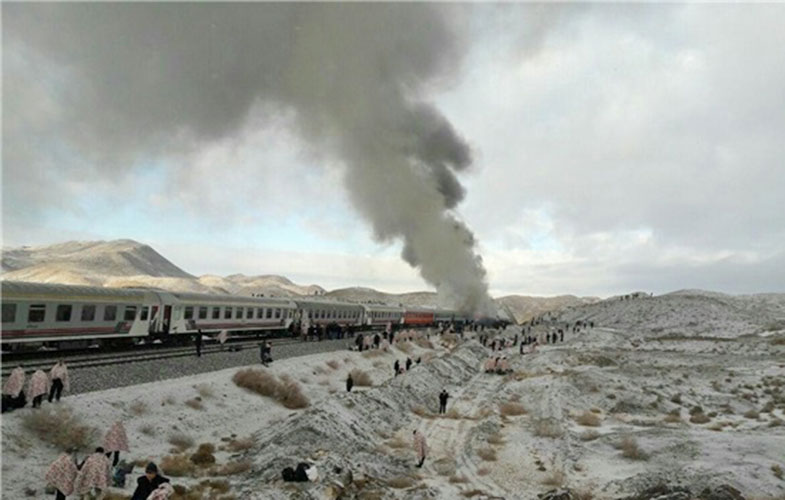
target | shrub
[
  {"x": 373, "y": 353},
  {"x": 588, "y": 419},
  {"x": 195, "y": 403},
  {"x": 286, "y": 390},
  {"x": 205, "y": 391},
  {"x": 422, "y": 412},
  {"x": 204, "y": 455},
  {"x": 181, "y": 441},
  {"x": 237, "y": 445},
  {"x": 548, "y": 428},
  {"x": 496, "y": 439},
  {"x": 699, "y": 418},
  {"x": 753, "y": 414},
  {"x": 404, "y": 347},
  {"x": 458, "y": 479},
  {"x": 589, "y": 435},
  {"x": 473, "y": 493},
  {"x": 445, "y": 466},
  {"x": 333, "y": 364},
  {"x": 483, "y": 471},
  {"x": 555, "y": 478},
  {"x": 60, "y": 427},
  {"x": 696, "y": 409},
  {"x": 487, "y": 453},
  {"x": 676, "y": 399},
  {"x": 400, "y": 482},
  {"x": 511, "y": 409},
  {"x": 361, "y": 378},
  {"x": 231, "y": 468},
  {"x": 177, "y": 465},
  {"x": 777, "y": 470},
  {"x": 630, "y": 449},
  {"x": 138, "y": 408}
]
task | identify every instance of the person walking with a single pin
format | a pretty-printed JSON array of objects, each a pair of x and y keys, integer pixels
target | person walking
[
  {"x": 443, "y": 397},
  {"x": 93, "y": 476},
  {"x": 349, "y": 383},
  {"x": 58, "y": 376},
  {"x": 420, "y": 447},
  {"x": 115, "y": 441},
  {"x": 39, "y": 383},
  {"x": 62, "y": 474}
]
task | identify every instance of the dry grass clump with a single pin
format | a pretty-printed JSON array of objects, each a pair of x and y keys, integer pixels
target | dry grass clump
[
  {"x": 445, "y": 466},
  {"x": 361, "y": 378},
  {"x": 487, "y": 453},
  {"x": 455, "y": 479},
  {"x": 424, "y": 343},
  {"x": 588, "y": 419},
  {"x": 283, "y": 389},
  {"x": 168, "y": 400},
  {"x": 676, "y": 399},
  {"x": 511, "y": 409},
  {"x": 422, "y": 412},
  {"x": 60, "y": 427},
  {"x": 752, "y": 414},
  {"x": 496, "y": 439},
  {"x": 554, "y": 478},
  {"x": 590, "y": 435},
  {"x": 217, "y": 489},
  {"x": 404, "y": 347},
  {"x": 453, "y": 414},
  {"x": 204, "y": 455},
  {"x": 181, "y": 440},
  {"x": 400, "y": 482},
  {"x": 111, "y": 495},
  {"x": 205, "y": 391},
  {"x": 483, "y": 471},
  {"x": 237, "y": 445},
  {"x": 777, "y": 471},
  {"x": 231, "y": 468},
  {"x": 195, "y": 403},
  {"x": 138, "y": 408},
  {"x": 333, "y": 364},
  {"x": 396, "y": 442},
  {"x": 473, "y": 493},
  {"x": 630, "y": 449},
  {"x": 177, "y": 465},
  {"x": 548, "y": 428},
  {"x": 699, "y": 418}
]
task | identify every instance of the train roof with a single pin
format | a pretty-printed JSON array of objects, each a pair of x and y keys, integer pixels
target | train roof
[
  {"x": 30, "y": 288},
  {"x": 323, "y": 302},
  {"x": 209, "y": 297}
]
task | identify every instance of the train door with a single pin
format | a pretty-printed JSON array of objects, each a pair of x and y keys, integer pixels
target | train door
[
  {"x": 167, "y": 318},
  {"x": 152, "y": 328}
]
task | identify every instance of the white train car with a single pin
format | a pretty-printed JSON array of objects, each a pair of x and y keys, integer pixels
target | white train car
[
  {"x": 325, "y": 312},
  {"x": 56, "y": 315},
  {"x": 186, "y": 313},
  {"x": 377, "y": 316}
]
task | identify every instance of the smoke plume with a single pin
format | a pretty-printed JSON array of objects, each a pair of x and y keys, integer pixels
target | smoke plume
[{"x": 143, "y": 80}]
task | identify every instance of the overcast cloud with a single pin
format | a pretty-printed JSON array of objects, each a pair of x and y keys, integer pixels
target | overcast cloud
[{"x": 614, "y": 147}]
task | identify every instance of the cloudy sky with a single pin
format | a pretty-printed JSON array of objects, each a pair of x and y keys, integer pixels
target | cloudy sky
[{"x": 601, "y": 148}]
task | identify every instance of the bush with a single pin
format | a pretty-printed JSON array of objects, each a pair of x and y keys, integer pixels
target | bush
[
  {"x": 204, "y": 455},
  {"x": 195, "y": 403},
  {"x": 753, "y": 414},
  {"x": 404, "y": 347},
  {"x": 496, "y": 439},
  {"x": 487, "y": 453},
  {"x": 630, "y": 449},
  {"x": 696, "y": 409},
  {"x": 237, "y": 445},
  {"x": 548, "y": 428},
  {"x": 333, "y": 364},
  {"x": 60, "y": 427},
  {"x": 177, "y": 465},
  {"x": 588, "y": 419},
  {"x": 676, "y": 399},
  {"x": 699, "y": 418},
  {"x": 400, "y": 482},
  {"x": 286, "y": 390},
  {"x": 589, "y": 435},
  {"x": 555, "y": 478},
  {"x": 511, "y": 409},
  {"x": 361, "y": 378},
  {"x": 181, "y": 441},
  {"x": 458, "y": 479}
]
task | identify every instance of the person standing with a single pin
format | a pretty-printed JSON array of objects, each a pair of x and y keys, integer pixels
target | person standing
[
  {"x": 198, "y": 342},
  {"x": 13, "y": 390},
  {"x": 116, "y": 441},
  {"x": 408, "y": 363},
  {"x": 62, "y": 474},
  {"x": 38, "y": 387},
  {"x": 93, "y": 475},
  {"x": 349, "y": 383},
  {"x": 396, "y": 367},
  {"x": 443, "y": 397},
  {"x": 59, "y": 380},
  {"x": 420, "y": 447}
]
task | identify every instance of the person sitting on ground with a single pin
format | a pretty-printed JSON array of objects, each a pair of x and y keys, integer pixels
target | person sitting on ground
[
  {"x": 39, "y": 383},
  {"x": 349, "y": 383},
  {"x": 145, "y": 485},
  {"x": 13, "y": 390},
  {"x": 120, "y": 472}
]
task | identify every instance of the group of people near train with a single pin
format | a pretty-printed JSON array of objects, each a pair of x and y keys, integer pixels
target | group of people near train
[
  {"x": 103, "y": 468},
  {"x": 40, "y": 385}
]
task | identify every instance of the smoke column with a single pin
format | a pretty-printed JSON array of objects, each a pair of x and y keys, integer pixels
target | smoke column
[{"x": 152, "y": 79}]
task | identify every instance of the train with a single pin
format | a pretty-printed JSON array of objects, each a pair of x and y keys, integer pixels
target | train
[{"x": 62, "y": 316}]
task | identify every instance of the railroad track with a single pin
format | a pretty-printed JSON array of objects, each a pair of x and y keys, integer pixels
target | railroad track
[{"x": 143, "y": 354}]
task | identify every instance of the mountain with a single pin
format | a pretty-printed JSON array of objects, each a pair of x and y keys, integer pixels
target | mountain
[
  {"x": 360, "y": 294},
  {"x": 524, "y": 307}
]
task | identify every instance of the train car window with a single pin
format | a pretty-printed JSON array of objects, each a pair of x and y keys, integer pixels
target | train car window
[
  {"x": 259, "y": 313},
  {"x": 228, "y": 313},
  {"x": 88, "y": 313},
  {"x": 36, "y": 313},
  {"x": 189, "y": 312},
  {"x": 64, "y": 312},
  {"x": 269, "y": 313},
  {"x": 277, "y": 313},
  {"x": 249, "y": 312},
  {"x": 143, "y": 316},
  {"x": 202, "y": 312},
  {"x": 110, "y": 313},
  {"x": 130, "y": 313},
  {"x": 9, "y": 313},
  {"x": 216, "y": 312}
]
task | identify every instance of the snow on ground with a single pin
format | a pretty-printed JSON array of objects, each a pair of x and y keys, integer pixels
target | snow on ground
[{"x": 610, "y": 412}]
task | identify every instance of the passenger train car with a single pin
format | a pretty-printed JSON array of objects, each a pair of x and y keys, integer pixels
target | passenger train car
[{"x": 61, "y": 316}]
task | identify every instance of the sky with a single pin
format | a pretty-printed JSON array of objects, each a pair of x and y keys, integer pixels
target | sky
[{"x": 601, "y": 148}]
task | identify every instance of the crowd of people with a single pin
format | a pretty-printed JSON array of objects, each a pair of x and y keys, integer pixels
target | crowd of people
[{"x": 40, "y": 385}]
